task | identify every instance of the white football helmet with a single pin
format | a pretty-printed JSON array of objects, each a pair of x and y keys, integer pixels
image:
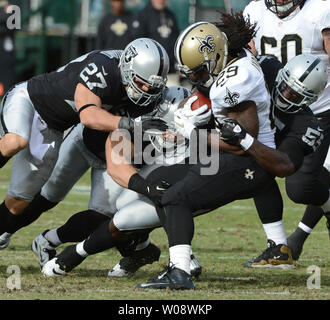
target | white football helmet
[
  {"x": 282, "y": 7},
  {"x": 299, "y": 83},
  {"x": 170, "y": 102},
  {"x": 146, "y": 61},
  {"x": 201, "y": 46}
]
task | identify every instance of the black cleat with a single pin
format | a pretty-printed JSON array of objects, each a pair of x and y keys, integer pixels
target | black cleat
[
  {"x": 172, "y": 278},
  {"x": 275, "y": 256},
  {"x": 127, "y": 266}
]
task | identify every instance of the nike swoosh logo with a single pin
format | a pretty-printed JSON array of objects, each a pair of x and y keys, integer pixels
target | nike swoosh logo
[{"x": 160, "y": 188}]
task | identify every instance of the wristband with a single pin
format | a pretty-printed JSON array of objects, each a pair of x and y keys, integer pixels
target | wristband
[
  {"x": 247, "y": 142},
  {"x": 138, "y": 184}
]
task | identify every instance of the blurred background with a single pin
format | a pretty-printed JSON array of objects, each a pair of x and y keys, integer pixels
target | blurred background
[{"x": 38, "y": 36}]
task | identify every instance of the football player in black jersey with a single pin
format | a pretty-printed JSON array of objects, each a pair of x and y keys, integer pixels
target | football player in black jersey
[
  {"x": 35, "y": 113},
  {"x": 84, "y": 148},
  {"x": 298, "y": 135}
]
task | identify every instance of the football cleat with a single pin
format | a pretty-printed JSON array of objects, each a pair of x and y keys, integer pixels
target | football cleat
[
  {"x": 275, "y": 256},
  {"x": 43, "y": 249},
  {"x": 4, "y": 240},
  {"x": 127, "y": 266},
  {"x": 195, "y": 267},
  {"x": 53, "y": 269},
  {"x": 172, "y": 278}
]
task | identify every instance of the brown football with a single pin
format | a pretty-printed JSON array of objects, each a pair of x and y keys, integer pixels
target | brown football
[{"x": 200, "y": 101}]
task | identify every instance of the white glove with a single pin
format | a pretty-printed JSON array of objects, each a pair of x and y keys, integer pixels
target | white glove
[{"x": 186, "y": 120}]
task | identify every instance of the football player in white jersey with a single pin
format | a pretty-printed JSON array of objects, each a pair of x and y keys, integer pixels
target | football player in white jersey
[{"x": 286, "y": 28}]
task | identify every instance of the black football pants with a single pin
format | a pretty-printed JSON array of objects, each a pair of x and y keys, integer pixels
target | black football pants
[{"x": 238, "y": 177}]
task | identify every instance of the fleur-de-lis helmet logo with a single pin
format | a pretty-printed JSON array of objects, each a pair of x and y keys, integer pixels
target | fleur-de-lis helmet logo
[{"x": 206, "y": 44}]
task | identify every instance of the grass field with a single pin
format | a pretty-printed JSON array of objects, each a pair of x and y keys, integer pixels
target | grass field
[{"x": 223, "y": 241}]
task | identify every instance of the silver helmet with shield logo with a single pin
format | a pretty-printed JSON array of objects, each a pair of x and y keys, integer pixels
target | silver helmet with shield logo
[
  {"x": 144, "y": 62},
  {"x": 299, "y": 83}
]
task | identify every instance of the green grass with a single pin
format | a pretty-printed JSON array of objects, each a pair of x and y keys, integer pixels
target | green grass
[{"x": 223, "y": 241}]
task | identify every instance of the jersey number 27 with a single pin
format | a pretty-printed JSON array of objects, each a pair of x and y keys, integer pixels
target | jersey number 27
[{"x": 92, "y": 70}]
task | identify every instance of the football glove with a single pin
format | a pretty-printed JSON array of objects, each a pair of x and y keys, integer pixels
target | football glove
[
  {"x": 147, "y": 123},
  {"x": 186, "y": 120},
  {"x": 233, "y": 133}
]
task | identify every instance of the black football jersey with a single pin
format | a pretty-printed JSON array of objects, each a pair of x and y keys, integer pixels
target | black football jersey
[
  {"x": 53, "y": 93},
  {"x": 297, "y": 134}
]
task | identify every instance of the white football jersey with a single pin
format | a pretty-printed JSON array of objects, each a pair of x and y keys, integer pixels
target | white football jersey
[
  {"x": 243, "y": 80},
  {"x": 300, "y": 32}
]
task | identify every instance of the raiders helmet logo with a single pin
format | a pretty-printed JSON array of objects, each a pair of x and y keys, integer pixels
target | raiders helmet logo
[
  {"x": 231, "y": 98},
  {"x": 206, "y": 44},
  {"x": 130, "y": 53}
]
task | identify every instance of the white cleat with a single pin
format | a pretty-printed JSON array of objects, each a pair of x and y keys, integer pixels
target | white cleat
[
  {"x": 43, "y": 249},
  {"x": 5, "y": 240},
  {"x": 52, "y": 269}
]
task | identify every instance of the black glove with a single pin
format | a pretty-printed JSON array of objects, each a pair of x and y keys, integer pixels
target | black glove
[
  {"x": 231, "y": 131},
  {"x": 156, "y": 190},
  {"x": 126, "y": 123},
  {"x": 147, "y": 123}
]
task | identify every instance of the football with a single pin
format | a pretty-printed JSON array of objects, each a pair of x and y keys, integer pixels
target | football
[{"x": 200, "y": 101}]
